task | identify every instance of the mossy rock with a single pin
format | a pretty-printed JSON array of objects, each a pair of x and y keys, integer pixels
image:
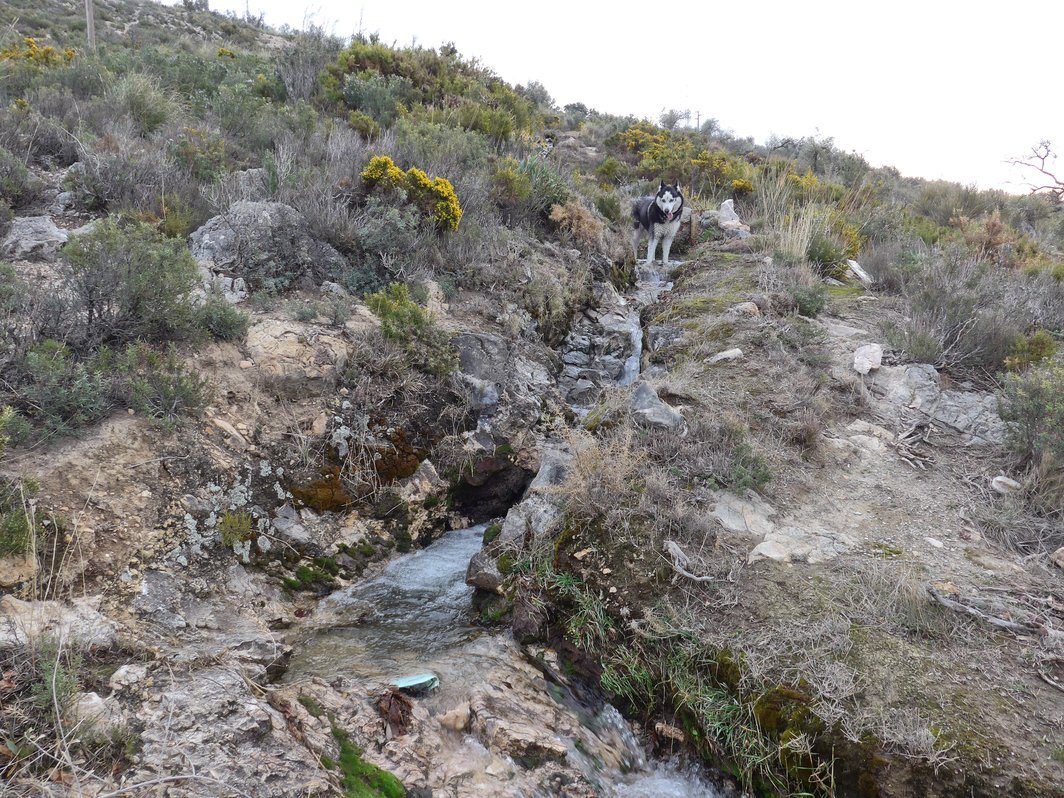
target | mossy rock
[
  {"x": 398, "y": 460},
  {"x": 314, "y": 576},
  {"x": 493, "y": 609},
  {"x": 360, "y": 778},
  {"x": 491, "y": 533},
  {"x": 312, "y": 705},
  {"x": 507, "y": 562},
  {"x": 327, "y": 494}
]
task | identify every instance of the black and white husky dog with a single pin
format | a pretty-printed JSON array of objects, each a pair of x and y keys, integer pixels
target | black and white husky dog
[{"x": 658, "y": 218}]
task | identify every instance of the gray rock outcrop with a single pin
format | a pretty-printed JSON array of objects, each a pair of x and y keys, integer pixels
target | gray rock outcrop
[
  {"x": 971, "y": 413},
  {"x": 34, "y": 238},
  {"x": 530, "y": 519},
  {"x": 26, "y": 623},
  {"x": 649, "y": 411},
  {"x": 266, "y": 244},
  {"x": 727, "y": 220},
  {"x": 603, "y": 348}
]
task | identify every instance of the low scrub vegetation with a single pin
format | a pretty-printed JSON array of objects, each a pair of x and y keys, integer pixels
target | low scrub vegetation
[
  {"x": 404, "y": 321},
  {"x": 100, "y": 339},
  {"x": 967, "y": 315}
]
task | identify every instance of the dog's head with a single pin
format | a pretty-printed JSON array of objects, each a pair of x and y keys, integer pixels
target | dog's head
[{"x": 669, "y": 200}]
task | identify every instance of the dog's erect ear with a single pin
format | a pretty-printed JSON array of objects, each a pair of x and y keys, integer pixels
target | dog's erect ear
[{"x": 661, "y": 186}]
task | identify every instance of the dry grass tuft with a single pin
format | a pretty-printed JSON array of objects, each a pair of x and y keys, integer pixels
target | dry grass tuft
[{"x": 579, "y": 225}]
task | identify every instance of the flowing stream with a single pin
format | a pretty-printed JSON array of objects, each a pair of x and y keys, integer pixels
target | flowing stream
[{"x": 415, "y": 617}]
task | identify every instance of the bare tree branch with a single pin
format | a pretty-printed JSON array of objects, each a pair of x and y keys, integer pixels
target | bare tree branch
[{"x": 1039, "y": 160}]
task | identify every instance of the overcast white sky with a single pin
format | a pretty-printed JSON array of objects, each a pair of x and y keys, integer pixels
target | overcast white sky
[{"x": 937, "y": 88}]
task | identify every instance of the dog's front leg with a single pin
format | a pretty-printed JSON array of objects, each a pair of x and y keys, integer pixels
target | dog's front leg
[
  {"x": 652, "y": 246},
  {"x": 666, "y": 245}
]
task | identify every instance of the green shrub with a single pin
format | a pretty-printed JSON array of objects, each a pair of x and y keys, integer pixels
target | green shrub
[
  {"x": 916, "y": 342},
  {"x": 7, "y": 415},
  {"x": 62, "y": 393},
  {"x": 201, "y": 152},
  {"x": 610, "y": 170},
  {"x": 16, "y": 531},
  {"x": 363, "y": 124},
  {"x": 56, "y": 685},
  {"x": 125, "y": 281},
  {"x": 302, "y": 61},
  {"x": 6, "y": 215},
  {"x": 741, "y": 187},
  {"x": 17, "y": 186},
  {"x": 1032, "y": 406},
  {"x": 546, "y": 188},
  {"x": 609, "y": 205},
  {"x": 402, "y": 320},
  {"x": 27, "y": 50},
  {"x": 246, "y": 116},
  {"x": 437, "y": 86},
  {"x": 964, "y": 315},
  {"x": 940, "y": 202},
  {"x": 510, "y": 187},
  {"x": 305, "y": 311},
  {"x": 809, "y": 300},
  {"x": 25, "y": 64},
  {"x": 447, "y": 148},
  {"x": 376, "y": 95},
  {"x": 721, "y": 456},
  {"x": 929, "y": 231},
  {"x": 1030, "y": 351},
  {"x": 178, "y": 218},
  {"x": 826, "y": 254},
  {"x": 157, "y": 385},
  {"x": 335, "y": 309},
  {"x": 59, "y": 394},
  {"x": 222, "y": 320}
]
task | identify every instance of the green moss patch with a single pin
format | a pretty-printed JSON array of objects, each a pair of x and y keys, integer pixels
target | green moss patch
[{"x": 361, "y": 779}]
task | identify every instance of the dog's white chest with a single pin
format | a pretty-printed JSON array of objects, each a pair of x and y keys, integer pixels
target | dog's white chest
[{"x": 666, "y": 229}]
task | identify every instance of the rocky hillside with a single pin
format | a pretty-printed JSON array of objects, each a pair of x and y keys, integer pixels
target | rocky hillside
[{"x": 279, "y": 311}]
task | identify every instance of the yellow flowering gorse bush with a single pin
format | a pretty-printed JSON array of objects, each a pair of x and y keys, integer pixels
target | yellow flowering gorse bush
[{"x": 435, "y": 196}]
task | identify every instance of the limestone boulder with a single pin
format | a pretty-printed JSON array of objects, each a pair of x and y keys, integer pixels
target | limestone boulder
[
  {"x": 211, "y": 721},
  {"x": 969, "y": 412},
  {"x": 808, "y": 544},
  {"x": 33, "y": 238},
  {"x": 650, "y": 411},
  {"x": 868, "y": 357},
  {"x": 267, "y": 245}
]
